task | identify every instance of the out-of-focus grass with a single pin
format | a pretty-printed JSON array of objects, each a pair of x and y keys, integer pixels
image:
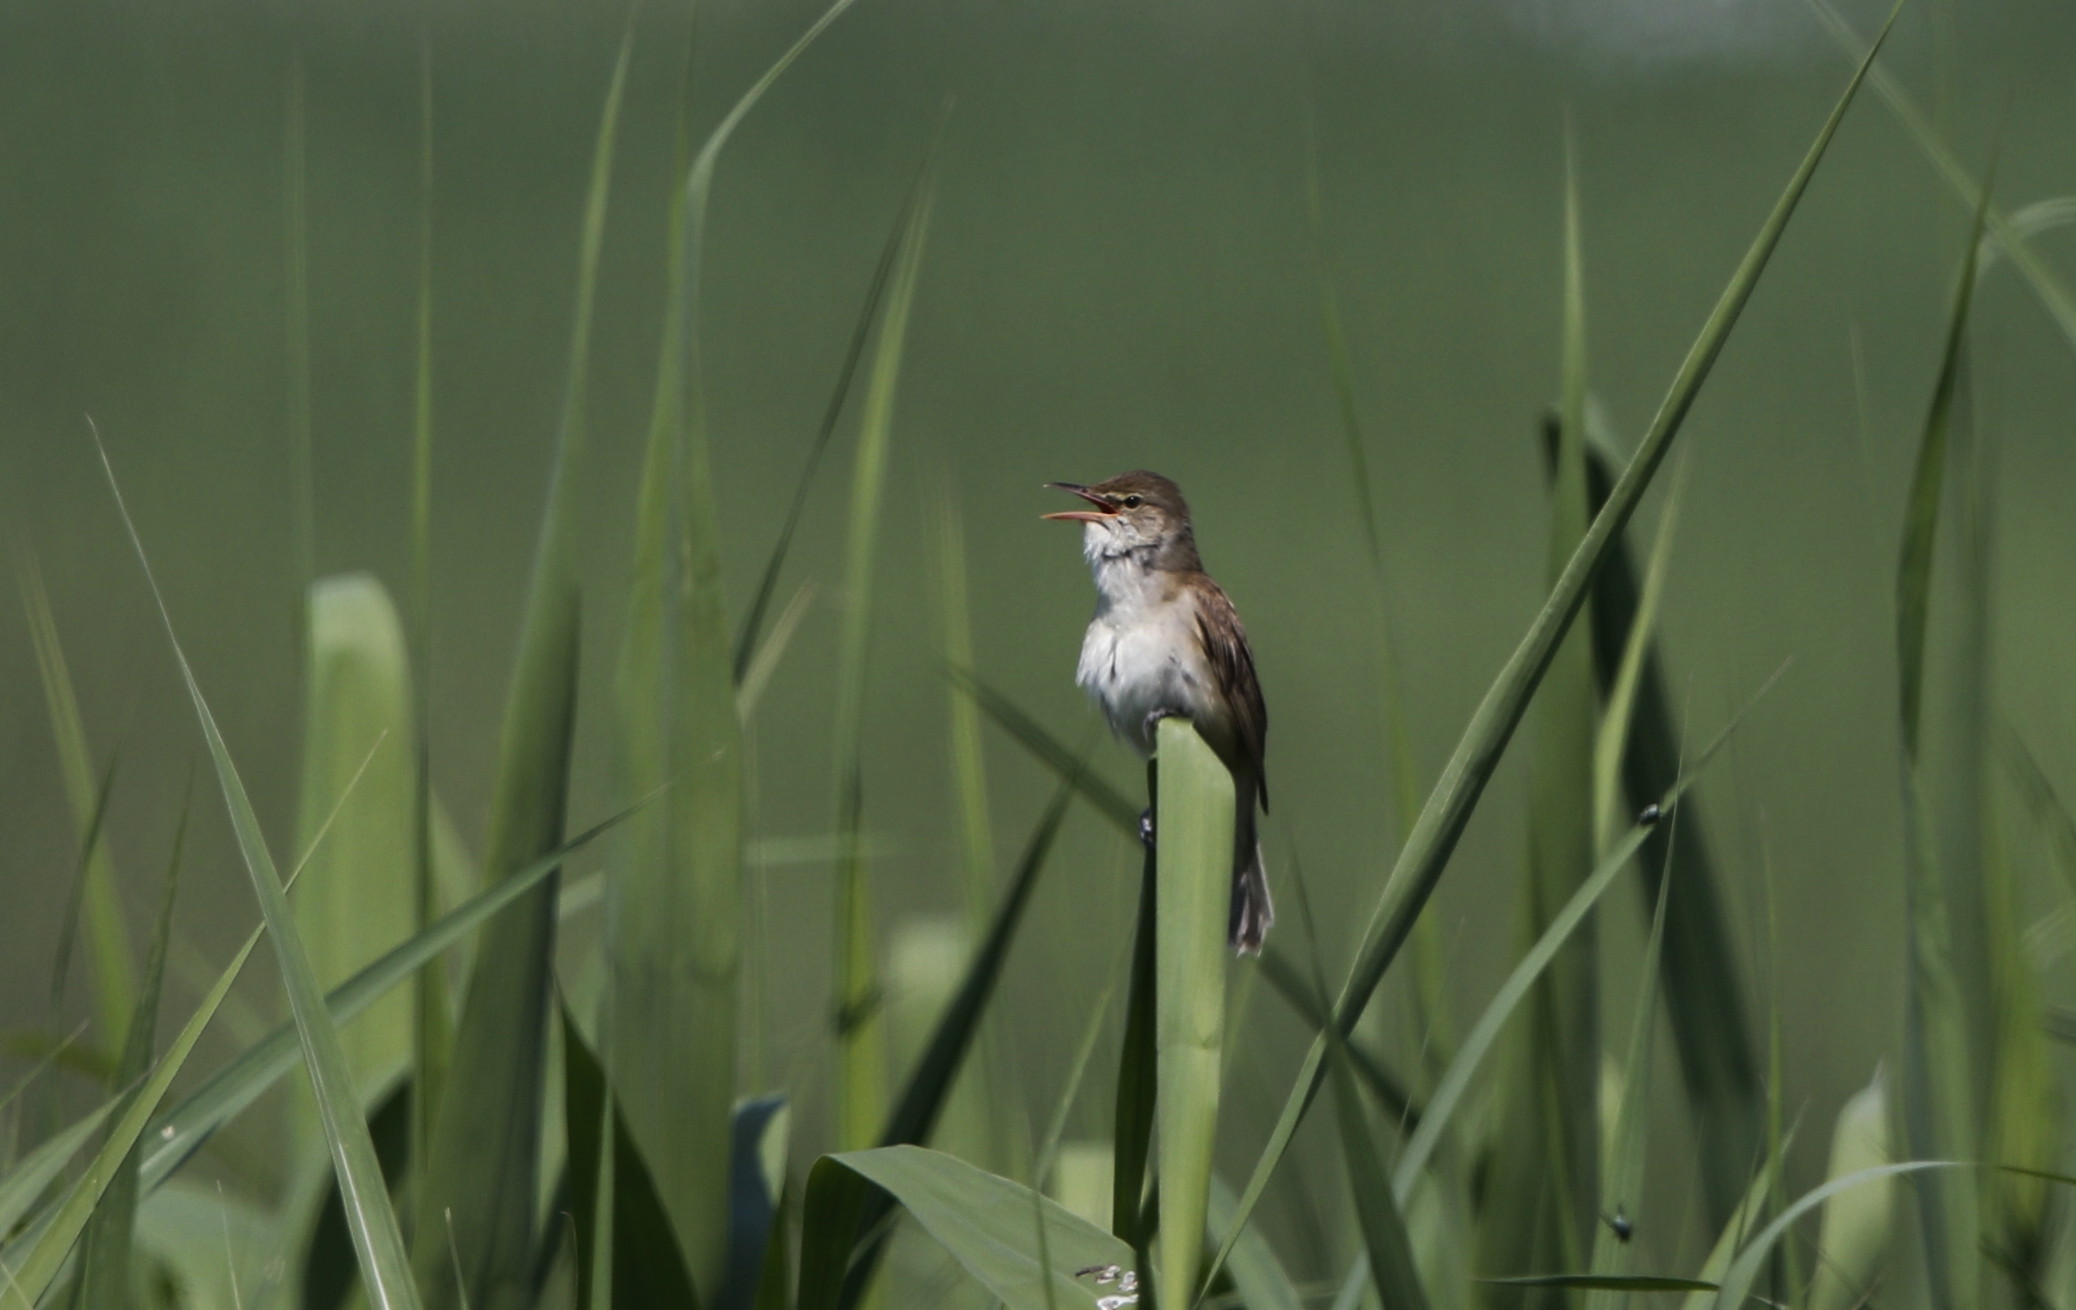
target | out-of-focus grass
[{"x": 587, "y": 1135}]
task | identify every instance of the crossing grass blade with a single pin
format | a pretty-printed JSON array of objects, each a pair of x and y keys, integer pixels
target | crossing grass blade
[
  {"x": 1702, "y": 987},
  {"x": 1192, "y": 890},
  {"x": 1744, "y": 1220},
  {"x": 475, "y": 1227},
  {"x": 1856, "y": 1224},
  {"x": 359, "y": 890},
  {"x": 108, "y": 941},
  {"x": 385, "y": 1265},
  {"x": 33, "y": 1261},
  {"x": 181, "y": 1131},
  {"x": 860, "y": 1037},
  {"x": 32, "y": 1175},
  {"x": 1751, "y": 1261},
  {"x": 101, "y": 1278},
  {"x": 1384, "y": 1086},
  {"x": 1111, "y": 803},
  {"x": 1421, "y": 863}
]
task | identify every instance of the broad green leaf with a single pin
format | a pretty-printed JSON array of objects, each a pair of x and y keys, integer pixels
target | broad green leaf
[
  {"x": 385, "y": 1266},
  {"x": 359, "y": 891},
  {"x": 476, "y": 1220},
  {"x": 108, "y": 941},
  {"x": 1856, "y": 1223},
  {"x": 180, "y": 1132},
  {"x": 628, "y": 1253},
  {"x": 860, "y": 1039},
  {"x": 101, "y": 1278},
  {"x": 1426, "y": 854},
  {"x": 982, "y": 1221},
  {"x": 1193, "y": 872}
]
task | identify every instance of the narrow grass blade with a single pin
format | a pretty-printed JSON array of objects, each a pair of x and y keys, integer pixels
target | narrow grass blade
[
  {"x": 765, "y": 661},
  {"x": 1478, "y": 1042},
  {"x": 1622, "y": 1182},
  {"x": 28, "y": 1267},
  {"x": 1744, "y": 1220},
  {"x": 31, "y": 1175},
  {"x": 1193, "y": 865},
  {"x": 180, "y": 1132},
  {"x": 1477, "y": 754},
  {"x": 359, "y": 890},
  {"x": 102, "y": 1278},
  {"x": 1131, "y": 1134},
  {"x": 1942, "y": 1090},
  {"x": 1111, "y": 803},
  {"x": 1703, "y": 989},
  {"x": 1385, "y": 1086},
  {"x": 1547, "y": 1156},
  {"x": 1856, "y": 1224},
  {"x": 477, "y": 1198},
  {"x": 1259, "y": 1278},
  {"x": 860, "y": 1039},
  {"x": 385, "y": 1266},
  {"x": 431, "y": 1020},
  {"x": 108, "y": 941},
  {"x": 2054, "y": 295},
  {"x": 861, "y": 333},
  {"x": 982, "y": 1221},
  {"x": 1611, "y": 749}
]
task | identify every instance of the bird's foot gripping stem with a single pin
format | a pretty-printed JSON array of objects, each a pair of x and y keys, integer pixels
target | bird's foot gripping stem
[{"x": 1146, "y": 827}]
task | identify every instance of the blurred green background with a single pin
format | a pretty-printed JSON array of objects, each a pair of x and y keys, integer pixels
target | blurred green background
[{"x": 1120, "y": 274}]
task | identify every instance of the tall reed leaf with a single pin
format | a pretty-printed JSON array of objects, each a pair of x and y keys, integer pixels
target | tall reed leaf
[
  {"x": 384, "y": 1264},
  {"x": 1193, "y": 869},
  {"x": 1477, "y": 754},
  {"x": 475, "y": 1229},
  {"x": 1941, "y": 1091},
  {"x": 861, "y": 1043},
  {"x": 108, "y": 941},
  {"x": 101, "y": 1280}
]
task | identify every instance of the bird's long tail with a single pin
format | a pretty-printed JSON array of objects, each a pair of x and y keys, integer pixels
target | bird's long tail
[{"x": 1247, "y": 924}]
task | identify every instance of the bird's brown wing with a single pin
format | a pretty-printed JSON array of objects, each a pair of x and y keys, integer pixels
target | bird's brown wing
[{"x": 1225, "y": 646}]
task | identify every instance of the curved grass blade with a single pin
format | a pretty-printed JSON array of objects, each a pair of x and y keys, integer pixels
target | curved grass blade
[
  {"x": 1192, "y": 888},
  {"x": 385, "y": 1266},
  {"x": 477, "y": 1198},
  {"x": 1745, "y": 1270},
  {"x": 101, "y": 1280},
  {"x": 1385, "y": 1086},
  {"x": 2053, "y": 294},
  {"x": 108, "y": 941},
  {"x": 28, "y": 1266},
  {"x": 180, "y": 1132},
  {"x": 1759, "y": 1192},
  {"x": 860, "y": 1037},
  {"x": 33, "y": 1173},
  {"x": 1477, "y": 754}
]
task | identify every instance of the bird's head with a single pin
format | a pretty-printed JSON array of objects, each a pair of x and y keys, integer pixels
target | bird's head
[{"x": 1131, "y": 512}]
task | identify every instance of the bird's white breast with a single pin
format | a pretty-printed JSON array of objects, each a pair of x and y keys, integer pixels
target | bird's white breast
[{"x": 1141, "y": 653}]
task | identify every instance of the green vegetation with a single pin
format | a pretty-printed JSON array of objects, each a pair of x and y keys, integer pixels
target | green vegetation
[{"x": 499, "y": 1085}]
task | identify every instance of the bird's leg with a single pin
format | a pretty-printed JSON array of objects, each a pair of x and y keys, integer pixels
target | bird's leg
[
  {"x": 1153, "y": 723},
  {"x": 1146, "y": 827}
]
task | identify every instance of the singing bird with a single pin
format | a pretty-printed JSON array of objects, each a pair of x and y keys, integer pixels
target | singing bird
[{"x": 1166, "y": 641}]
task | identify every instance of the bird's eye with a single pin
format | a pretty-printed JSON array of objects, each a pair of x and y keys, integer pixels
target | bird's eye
[{"x": 1131, "y": 502}]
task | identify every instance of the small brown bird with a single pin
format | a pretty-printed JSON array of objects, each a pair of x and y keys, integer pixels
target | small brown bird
[{"x": 1166, "y": 641}]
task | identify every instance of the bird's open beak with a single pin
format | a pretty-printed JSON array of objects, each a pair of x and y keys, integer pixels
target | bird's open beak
[{"x": 1104, "y": 509}]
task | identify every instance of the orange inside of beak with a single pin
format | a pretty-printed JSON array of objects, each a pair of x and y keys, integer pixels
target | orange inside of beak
[{"x": 1103, "y": 508}]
